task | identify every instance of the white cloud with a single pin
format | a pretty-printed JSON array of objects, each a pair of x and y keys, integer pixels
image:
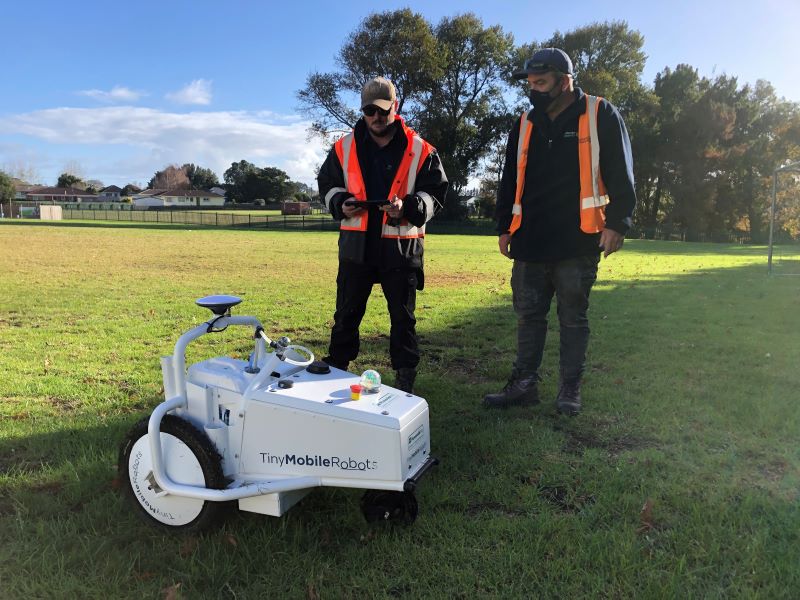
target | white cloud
[
  {"x": 117, "y": 94},
  {"x": 197, "y": 92},
  {"x": 128, "y": 143}
]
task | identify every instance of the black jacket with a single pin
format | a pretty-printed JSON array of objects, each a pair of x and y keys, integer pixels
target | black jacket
[
  {"x": 550, "y": 227},
  {"x": 368, "y": 247}
]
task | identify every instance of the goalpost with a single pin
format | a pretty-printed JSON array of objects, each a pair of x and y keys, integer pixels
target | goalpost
[{"x": 790, "y": 167}]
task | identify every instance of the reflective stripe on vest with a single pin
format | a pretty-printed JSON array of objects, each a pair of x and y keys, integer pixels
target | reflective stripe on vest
[
  {"x": 348, "y": 158},
  {"x": 417, "y": 151},
  {"x": 593, "y": 194}
]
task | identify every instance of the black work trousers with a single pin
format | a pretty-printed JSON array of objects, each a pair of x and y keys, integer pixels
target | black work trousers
[
  {"x": 533, "y": 286},
  {"x": 353, "y": 286}
]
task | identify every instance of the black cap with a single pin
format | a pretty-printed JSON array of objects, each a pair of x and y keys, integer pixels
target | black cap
[{"x": 547, "y": 59}]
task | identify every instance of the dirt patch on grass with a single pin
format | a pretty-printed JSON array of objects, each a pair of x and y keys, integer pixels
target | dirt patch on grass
[
  {"x": 498, "y": 508},
  {"x": 62, "y": 405},
  {"x": 578, "y": 441},
  {"x": 565, "y": 499},
  {"x": 603, "y": 433},
  {"x": 774, "y": 470},
  {"x": 460, "y": 279}
]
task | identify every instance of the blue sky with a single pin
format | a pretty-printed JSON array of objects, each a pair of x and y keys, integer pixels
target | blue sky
[{"x": 119, "y": 90}]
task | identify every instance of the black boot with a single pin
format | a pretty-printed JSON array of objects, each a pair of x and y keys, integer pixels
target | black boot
[
  {"x": 404, "y": 379},
  {"x": 568, "y": 401},
  {"x": 518, "y": 391},
  {"x": 336, "y": 364}
]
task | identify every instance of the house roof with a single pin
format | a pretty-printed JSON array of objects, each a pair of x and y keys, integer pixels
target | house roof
[
  {"x": 22, "y": 186},
  {"x": 150, "y": 192},
  {"x": 59, "y": 191},
  {"x": 190, "y": 193},
  {"x": 111, "y": 188}
]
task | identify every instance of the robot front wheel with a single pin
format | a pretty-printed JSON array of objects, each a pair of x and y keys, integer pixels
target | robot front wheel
[
  {"x": 382, "y": 505},
  {"x": 189, "y": 458}
]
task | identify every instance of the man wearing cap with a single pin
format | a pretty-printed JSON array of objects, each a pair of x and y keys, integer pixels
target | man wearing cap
[
  {"x": 381, "y": 159},
  {"x": 566, "y": 195}
]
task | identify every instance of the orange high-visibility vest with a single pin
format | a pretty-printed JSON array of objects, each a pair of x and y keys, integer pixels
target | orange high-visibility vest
[
  {"x": 593, "y": 195},
  {"x": 417, "y": 150}
]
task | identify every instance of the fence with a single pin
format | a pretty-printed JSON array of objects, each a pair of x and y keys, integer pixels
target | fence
[
  {"x": 323, "y": 222},
  {"x": 207, "y": 219}
]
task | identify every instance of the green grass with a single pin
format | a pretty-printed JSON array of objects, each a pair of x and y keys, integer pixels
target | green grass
[{"x": 680, "y": 479}]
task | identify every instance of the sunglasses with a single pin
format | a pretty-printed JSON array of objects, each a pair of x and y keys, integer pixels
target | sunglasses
[{"x": 372, "y": 109}]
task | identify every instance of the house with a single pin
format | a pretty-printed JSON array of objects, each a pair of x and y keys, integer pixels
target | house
[
  {"x": 58, "y": 194},
  {"x": 21, "y": 189},
  {"x": 177, "y": 199},
  {"x": 111, "y": 193}
]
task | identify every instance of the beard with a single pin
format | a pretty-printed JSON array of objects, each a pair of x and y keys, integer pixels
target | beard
[{"x": 381, "y": 129}]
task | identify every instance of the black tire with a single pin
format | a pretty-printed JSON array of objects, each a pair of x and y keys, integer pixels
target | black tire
[
  {"x": 396, "y": 507},
  {"x": 203, "y": 451}
]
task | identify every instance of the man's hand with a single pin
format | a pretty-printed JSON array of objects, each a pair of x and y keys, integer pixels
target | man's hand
[
  {"x": 505, "y": 241},
  {"x": 610, "y": 241},
  {"x": 351, "y": 210},
  {"x": 395, "y": 209}
]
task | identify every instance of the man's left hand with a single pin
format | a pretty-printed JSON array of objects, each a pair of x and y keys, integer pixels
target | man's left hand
[
  {"x": 610, "y": 241},
  {"x": 395, "y": 209}
]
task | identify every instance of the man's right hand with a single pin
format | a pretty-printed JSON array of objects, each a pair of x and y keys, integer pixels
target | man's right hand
[
  {"x": 351, "y": 210},
  {"x": 505, "y": 242}
]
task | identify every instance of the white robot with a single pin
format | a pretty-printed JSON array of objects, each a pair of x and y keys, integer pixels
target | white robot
[{"x": 265, "y": 432}]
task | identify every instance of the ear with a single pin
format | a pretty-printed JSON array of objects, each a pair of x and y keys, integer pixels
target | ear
[{"x": 396, "y": 105}]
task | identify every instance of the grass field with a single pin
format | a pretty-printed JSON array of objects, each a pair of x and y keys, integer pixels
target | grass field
[{"x": 680, "y": 478}]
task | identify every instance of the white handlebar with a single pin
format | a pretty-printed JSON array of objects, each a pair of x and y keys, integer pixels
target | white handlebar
[{"x": 298, "y": 350}]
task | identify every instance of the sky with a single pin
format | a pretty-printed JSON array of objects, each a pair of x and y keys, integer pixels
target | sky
[{"x": 117, "y": 91}]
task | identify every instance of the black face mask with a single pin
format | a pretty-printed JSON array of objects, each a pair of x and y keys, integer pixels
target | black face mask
[{"x": 542, "y": 100}]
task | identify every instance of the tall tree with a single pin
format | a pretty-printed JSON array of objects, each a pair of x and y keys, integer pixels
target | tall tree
[
  {"x": 396, "y": 44},
  {"x": 171, "y": 177},
  {"x": 200, "y": 178},
  {"x": 766, "y": 135},
  {"x": 270, "y": 183},
  {"x": 465, "y": 112},
  {"x": 130, "y": 189},
  {"x": 236, "y": 177},
  {"x": 67, "y": 180},
  {"x": 449, "y": 82},
  {"x": 7, "y": 190},
  {"x": 94, "y": 185}
]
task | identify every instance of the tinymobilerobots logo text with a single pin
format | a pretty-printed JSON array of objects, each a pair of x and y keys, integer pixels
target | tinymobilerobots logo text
[{"x": 331, "y": 462}]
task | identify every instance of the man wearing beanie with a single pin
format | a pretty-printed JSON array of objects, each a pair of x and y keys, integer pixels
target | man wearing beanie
[{"x": 566, "y": 196}]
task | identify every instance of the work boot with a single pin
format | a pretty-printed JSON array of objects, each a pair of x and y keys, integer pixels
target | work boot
[
  {"x": 517, "y": 392},
  {"x": 404, "y": 379},
  {"x": 568, "y": 401},
  {"x": 336, "y": 365}
]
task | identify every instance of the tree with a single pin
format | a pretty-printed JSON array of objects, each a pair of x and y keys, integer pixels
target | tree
[
  {"x": 93, "y": 186},
  {"x": 22, "y": 170},
  {"x": 269, "y": 183},
  {"x": 465, "y": 112},
  {"x": 449, "y": 83},
  {"x": 236, "y": 177},
  {"x": 398, "y": 45},
  {"x": 130, "y": 189},
  {"x": 766, "y": 135},
  {"x": 171, "y": 177},
  {"x": 7, "y": 190},
  {"x": 200, "y": 178},
  {"x": 607, "y": 57},
  {"x": 67, "y": 180}
]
